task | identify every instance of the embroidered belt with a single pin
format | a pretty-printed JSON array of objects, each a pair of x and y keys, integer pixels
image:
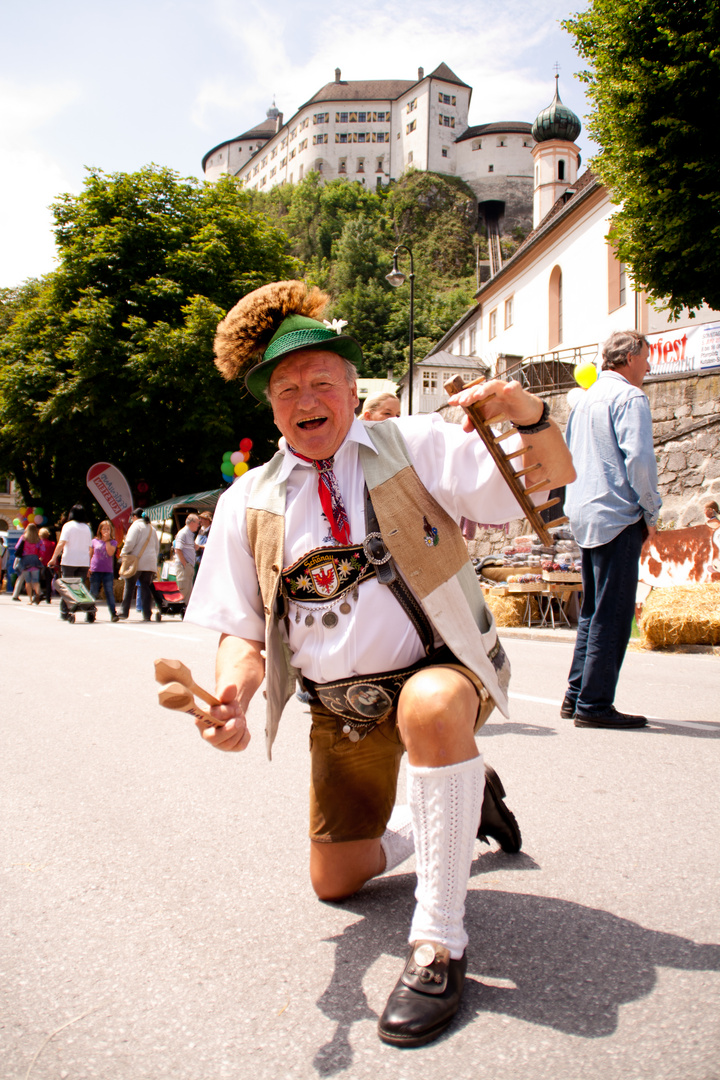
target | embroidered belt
[{"x": 363, "y": 701}]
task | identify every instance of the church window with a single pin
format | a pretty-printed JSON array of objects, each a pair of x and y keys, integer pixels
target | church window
[
  {"x": 561, "y": 169},
  {"x": 555, "y": 313}
]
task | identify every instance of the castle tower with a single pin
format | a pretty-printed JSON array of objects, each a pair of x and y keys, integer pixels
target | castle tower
[{"x": 557, "y": 158}]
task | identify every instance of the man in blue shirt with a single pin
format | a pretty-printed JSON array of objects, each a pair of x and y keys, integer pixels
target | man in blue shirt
[{"x": 612, "y": 506}]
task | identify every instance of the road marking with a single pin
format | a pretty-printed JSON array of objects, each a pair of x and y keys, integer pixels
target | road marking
[
  {"x": 702, "y": 726},
  {"x": 537, "y": 700}
]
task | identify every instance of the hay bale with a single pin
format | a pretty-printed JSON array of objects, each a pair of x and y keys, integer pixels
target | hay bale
[
  {"x": 682, "y": 615},
  {"x": 510, "y": 610}
]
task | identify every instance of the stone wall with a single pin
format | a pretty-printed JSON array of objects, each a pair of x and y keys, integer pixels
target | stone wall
[{"x": 686, "y": 431}]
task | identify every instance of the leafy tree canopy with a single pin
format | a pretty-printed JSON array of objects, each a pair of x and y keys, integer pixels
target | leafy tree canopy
[
  {"x": 110, "y": 357},
  {"x": 655, "y": 88}
]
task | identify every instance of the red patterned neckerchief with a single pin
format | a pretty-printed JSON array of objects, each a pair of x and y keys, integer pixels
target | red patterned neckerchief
[{"x": 330, "y": 497}]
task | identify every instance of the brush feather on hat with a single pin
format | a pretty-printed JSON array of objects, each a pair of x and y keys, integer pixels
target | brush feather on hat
[{"x": 245, "y": 332}]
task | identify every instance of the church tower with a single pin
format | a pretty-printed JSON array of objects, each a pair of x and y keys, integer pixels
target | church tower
[{"x": 557, "y": 158}]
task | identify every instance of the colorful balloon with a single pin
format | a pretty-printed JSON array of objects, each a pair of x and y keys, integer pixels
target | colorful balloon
[
  {"x": 246, "y": 445},
  {"x": 227, "y": 455},
  {"x": 38, "y": 519},
  {"x": 241, "y": 468},
  {"x": 236, "y": 457},
  {"x": 585, "y": 374}
]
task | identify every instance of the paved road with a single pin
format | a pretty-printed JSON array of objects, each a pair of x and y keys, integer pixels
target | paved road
[{"x": 158, "y": 923}]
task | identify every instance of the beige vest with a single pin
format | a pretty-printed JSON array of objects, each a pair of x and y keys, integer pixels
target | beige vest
[{"x": 440, "y": 575}]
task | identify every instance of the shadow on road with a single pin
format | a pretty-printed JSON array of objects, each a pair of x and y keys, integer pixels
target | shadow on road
[{"x": 550, "y": 962}]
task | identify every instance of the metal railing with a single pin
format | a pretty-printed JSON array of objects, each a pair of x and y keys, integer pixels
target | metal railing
[
  {"x": 551, "y": 370},
  {"x": 494, "y": 248}
]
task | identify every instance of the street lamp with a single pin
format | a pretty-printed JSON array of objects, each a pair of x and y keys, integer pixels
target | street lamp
[{"x": 397, "y": 278}]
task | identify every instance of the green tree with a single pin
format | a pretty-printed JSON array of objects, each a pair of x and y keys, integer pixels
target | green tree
[
  {"x": 655, "y": 88},
  {"x": 110, "y": 357}
]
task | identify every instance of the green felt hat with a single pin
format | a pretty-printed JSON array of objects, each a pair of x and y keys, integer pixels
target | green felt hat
[{"x": 298, "y": 332}]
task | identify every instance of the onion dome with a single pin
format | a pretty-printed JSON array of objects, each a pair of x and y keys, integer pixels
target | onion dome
[{"x": 556, "y": 122}]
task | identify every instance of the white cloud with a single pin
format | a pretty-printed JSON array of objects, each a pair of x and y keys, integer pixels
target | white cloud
[{"x": 31, "y": 178}]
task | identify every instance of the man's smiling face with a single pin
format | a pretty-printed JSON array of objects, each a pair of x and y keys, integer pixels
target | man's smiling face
[{"x": 313, "y": 402}]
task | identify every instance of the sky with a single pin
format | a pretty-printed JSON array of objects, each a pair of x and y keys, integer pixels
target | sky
[{"x": 119, "y": 86}]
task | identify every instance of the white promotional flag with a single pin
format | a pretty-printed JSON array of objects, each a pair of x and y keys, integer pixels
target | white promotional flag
[{"x": 112, "y": 491}]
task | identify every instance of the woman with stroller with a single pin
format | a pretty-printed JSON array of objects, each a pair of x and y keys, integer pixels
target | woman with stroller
[
  {"x": 73, "y": 549},
  {"x": 102, "y": 555}
]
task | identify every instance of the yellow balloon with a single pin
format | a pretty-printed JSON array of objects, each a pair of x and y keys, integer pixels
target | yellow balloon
[
  {"x": 585, "y": 374},
  {"x": 241, "y": 468}
]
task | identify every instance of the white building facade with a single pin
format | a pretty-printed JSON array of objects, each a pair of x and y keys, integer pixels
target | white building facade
[{"x": 372, "y": 131}]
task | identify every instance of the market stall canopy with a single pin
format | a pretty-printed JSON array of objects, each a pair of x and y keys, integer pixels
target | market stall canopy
[{"x": 201, "y": 500}]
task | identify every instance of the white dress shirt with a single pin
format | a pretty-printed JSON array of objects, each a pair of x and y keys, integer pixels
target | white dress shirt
[{"x": 377, "y": 635}]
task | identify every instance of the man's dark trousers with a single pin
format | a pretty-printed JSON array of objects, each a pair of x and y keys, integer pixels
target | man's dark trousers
[{"x": 610, "y": 577}]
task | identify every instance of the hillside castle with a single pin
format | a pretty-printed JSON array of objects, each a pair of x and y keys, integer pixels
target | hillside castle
[{"x": 373, "y": 131}]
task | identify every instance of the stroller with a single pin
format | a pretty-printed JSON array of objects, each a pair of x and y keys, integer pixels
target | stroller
[
  {"x": 169, "y": 599},
  {"x": 77, "y": 598}
]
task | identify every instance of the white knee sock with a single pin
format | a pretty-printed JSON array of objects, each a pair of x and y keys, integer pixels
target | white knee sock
[
  {"x": 445, "y": 804},
  {"x": 397, "y": 841}
]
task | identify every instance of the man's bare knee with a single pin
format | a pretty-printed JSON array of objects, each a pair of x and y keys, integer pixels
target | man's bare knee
[
  {"x": 437, "y": 710},
  {"x": 339, "y": 870}
]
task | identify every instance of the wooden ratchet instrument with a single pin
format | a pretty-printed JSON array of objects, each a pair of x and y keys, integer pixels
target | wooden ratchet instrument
[
  {"x": 167, "y": 671},
  {"x": 176, "y": 696},
  {"x": 502, "y": 460}
]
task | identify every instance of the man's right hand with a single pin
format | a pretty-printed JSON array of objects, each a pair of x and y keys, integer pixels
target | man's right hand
[{"x": 234, "y": 734}]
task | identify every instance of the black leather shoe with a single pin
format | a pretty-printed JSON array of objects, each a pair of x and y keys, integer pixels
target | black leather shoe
[
  {"x": 610, "y": 718},
  {"x": 567, "y": 709},
  {"x": 495, "y": 818},
  {"x": 425, "y": 998}
]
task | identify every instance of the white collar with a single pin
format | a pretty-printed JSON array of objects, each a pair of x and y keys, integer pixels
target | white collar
[{"x": 357, "y": 434}]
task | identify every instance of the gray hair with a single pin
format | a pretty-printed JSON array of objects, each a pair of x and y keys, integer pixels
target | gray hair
[
  {"x": 351, "y": 374},
  {"x": 619, "y": 345}
]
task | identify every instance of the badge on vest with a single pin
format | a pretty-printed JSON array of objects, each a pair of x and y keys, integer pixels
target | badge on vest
[{"x": 431, "y": 534}]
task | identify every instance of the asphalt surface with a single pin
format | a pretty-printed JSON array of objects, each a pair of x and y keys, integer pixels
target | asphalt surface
[{"x": 157, "y": 919}]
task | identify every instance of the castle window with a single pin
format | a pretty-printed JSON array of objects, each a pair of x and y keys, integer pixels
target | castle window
[
  {"x": 273, "y": 171},
  {"x": 527, "y": 142},
  {"x": 379, "y": 166},
  {"x": 342, "y": 167},
  {"x": 491, "y": 168},
  {"x": 446, "y": 121},
  {"x": 321, "y": 138},
  {"x": 363, "y": 136},
  {"x": 477, "y": 144},
  {"x": 361, "y": 165},
  {"x": 383, "y": 136},
  {"x": 263, "y": 163},
  {"x": 273, "y": 153},
  {"x": 410, "y": 158},
  {"x": 561, "y": 169},
  {"x": 321, "y": 118},
  {"x": 362, "y": 118},
  {"x": 502, "y": 142},
  {"x": 381, "y": 116},
  {"x": 341, "y": 117},
  {"x": 410, "y": 127},
  {"x": 444, "y": 151},
  {"x": 412, "y": 105},
  {"x": 341, "y": 136}
]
